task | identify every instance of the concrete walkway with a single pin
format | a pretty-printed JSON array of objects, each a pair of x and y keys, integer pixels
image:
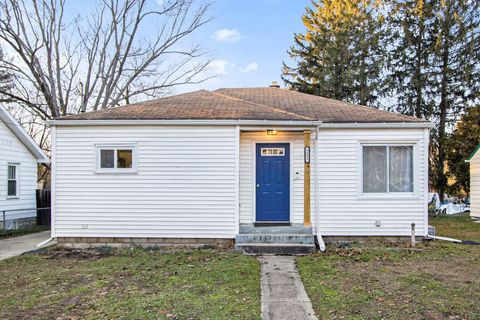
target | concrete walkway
[
  {"x": 283, "y": 294},
  {"x": 15, "y": 246}
]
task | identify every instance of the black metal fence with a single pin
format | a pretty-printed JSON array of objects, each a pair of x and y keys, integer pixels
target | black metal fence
[{"x": 24, "y": 218}]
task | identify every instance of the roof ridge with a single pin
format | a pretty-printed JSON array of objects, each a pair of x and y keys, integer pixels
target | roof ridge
[
  {"x": 264, "y": 106},
  {"x": 352, "y": 103}
]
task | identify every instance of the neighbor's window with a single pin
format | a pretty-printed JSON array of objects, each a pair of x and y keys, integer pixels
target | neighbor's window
[
  {"x": 116, "y": 159},
  {"x": 387, "y": 169},
  {"x": 12, "y": 180}
]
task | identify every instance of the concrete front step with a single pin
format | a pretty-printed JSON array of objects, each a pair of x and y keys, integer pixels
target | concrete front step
[
  {"x": 292, "y": 229},
  {"x": 276, "y": 248},
  {"x": 275, "y": 238}
]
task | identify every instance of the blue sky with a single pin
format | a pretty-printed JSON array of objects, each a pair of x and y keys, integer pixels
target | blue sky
[{"x": 248, "y": 40}]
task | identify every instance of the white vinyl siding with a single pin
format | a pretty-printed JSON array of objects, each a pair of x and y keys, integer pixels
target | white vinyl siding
[
  {"x": 184, "y": 186},
  {"x": 247, "y": 173},
  {"x": 475, "y": 185},
  {"x": 343, "y": 209},
  {"x": 14, "y": 152}
]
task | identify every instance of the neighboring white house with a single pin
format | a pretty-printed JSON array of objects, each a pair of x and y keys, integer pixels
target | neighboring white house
[
  {"x": 19, "y": 156},
  {"x": 474, "y": 160},
  {"x": 213, "y": 165}
]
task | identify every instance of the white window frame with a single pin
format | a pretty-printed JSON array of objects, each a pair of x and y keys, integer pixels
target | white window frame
[
  {"x": 388, "y": 194},
  {"x": 115, "y": 147},
  {"x": 17, "y": 176}
]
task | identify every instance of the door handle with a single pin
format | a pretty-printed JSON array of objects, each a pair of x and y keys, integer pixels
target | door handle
[{"x": 258, "y": 185}]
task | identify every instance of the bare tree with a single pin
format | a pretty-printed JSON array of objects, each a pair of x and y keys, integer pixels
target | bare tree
[
  {"x": 5, "y": 77},
  {"x": 123, "y": 50}
]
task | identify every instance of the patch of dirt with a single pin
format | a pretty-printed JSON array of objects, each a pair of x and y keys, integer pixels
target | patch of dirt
[{"x": 83, "y": 254}]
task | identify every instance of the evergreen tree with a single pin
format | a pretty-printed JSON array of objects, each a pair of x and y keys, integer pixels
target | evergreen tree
[
  {"x": 460, "y": 145},
  {"x": 340, "y": 55},
  {"x": 457, "y": 75},
  {"x": 409, "y": 61}
]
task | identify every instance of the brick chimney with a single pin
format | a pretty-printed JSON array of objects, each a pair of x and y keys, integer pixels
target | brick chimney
[{"x": 274, "y": 85}]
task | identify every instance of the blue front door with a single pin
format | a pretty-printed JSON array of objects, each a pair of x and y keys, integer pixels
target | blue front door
[{"x": 272, "y": 182}]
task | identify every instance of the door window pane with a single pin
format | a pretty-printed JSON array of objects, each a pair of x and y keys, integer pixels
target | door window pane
[
  {"x": 107, "y": 159},
  {"x": 401, "y": 169},
  {"x": 124, "y": 159},
  {"x": 275, "y": 152},
  {"x": 374, "y": 169}
]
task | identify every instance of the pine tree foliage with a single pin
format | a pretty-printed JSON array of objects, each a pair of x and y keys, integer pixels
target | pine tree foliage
[
  {"x": 422, "y": 60},
  {"x": 456, "y": 64},
  {"x": 411, "y": 25},
  {"x": 462, "y": 142},
  {"x": 340, "y": 56}
]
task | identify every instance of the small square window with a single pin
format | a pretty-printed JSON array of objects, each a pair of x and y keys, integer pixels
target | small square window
[{"x": 116, "y": 159}]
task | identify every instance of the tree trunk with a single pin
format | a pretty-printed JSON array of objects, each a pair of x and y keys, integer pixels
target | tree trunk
[
  {"x": 363, "y": 78},
  {"x": 418, "y": 71},
  {"x": 444, "y": 104}
]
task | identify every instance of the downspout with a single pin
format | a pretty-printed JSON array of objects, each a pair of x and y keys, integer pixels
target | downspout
[
  {"x": 321, "y": 243},
  {"x": 41, "y": 244}
]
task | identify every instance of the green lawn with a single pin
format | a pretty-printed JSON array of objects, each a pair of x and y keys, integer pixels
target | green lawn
[
  {"x": 130, "y": 284},
  {"x": 434, "y": 280}
]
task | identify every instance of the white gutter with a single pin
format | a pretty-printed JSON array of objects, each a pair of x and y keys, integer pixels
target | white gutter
[
  {"x": 375, "y": 125},
  {"x": 140, "y": 122},
  {"x": 278, "y": 128},
  {"x": 189, "y": 122}
]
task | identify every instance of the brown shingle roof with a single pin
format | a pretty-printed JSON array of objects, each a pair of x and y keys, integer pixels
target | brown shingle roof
[{"x": 245, "y": 104}]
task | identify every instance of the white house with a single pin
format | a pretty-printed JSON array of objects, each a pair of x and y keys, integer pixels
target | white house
[
  {"x": 19, "y": 156},
  {"x": 264, "y": 166},
  {"x": 474, "y": 160}
]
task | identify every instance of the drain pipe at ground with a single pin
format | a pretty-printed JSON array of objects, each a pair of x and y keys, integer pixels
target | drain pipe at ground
[
  {"x": 444, "y": 238},
  {"x": 321, "y": 243},
  {"x": 41, "y": 244},
  {"x": 413, "y": 234}
]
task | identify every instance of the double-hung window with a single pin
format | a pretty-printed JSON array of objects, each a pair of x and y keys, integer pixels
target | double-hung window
[
  {"x": 388, "y": 169},
  {"x": 12, "y": 180},
  {"x": 116, "y": 159}
]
